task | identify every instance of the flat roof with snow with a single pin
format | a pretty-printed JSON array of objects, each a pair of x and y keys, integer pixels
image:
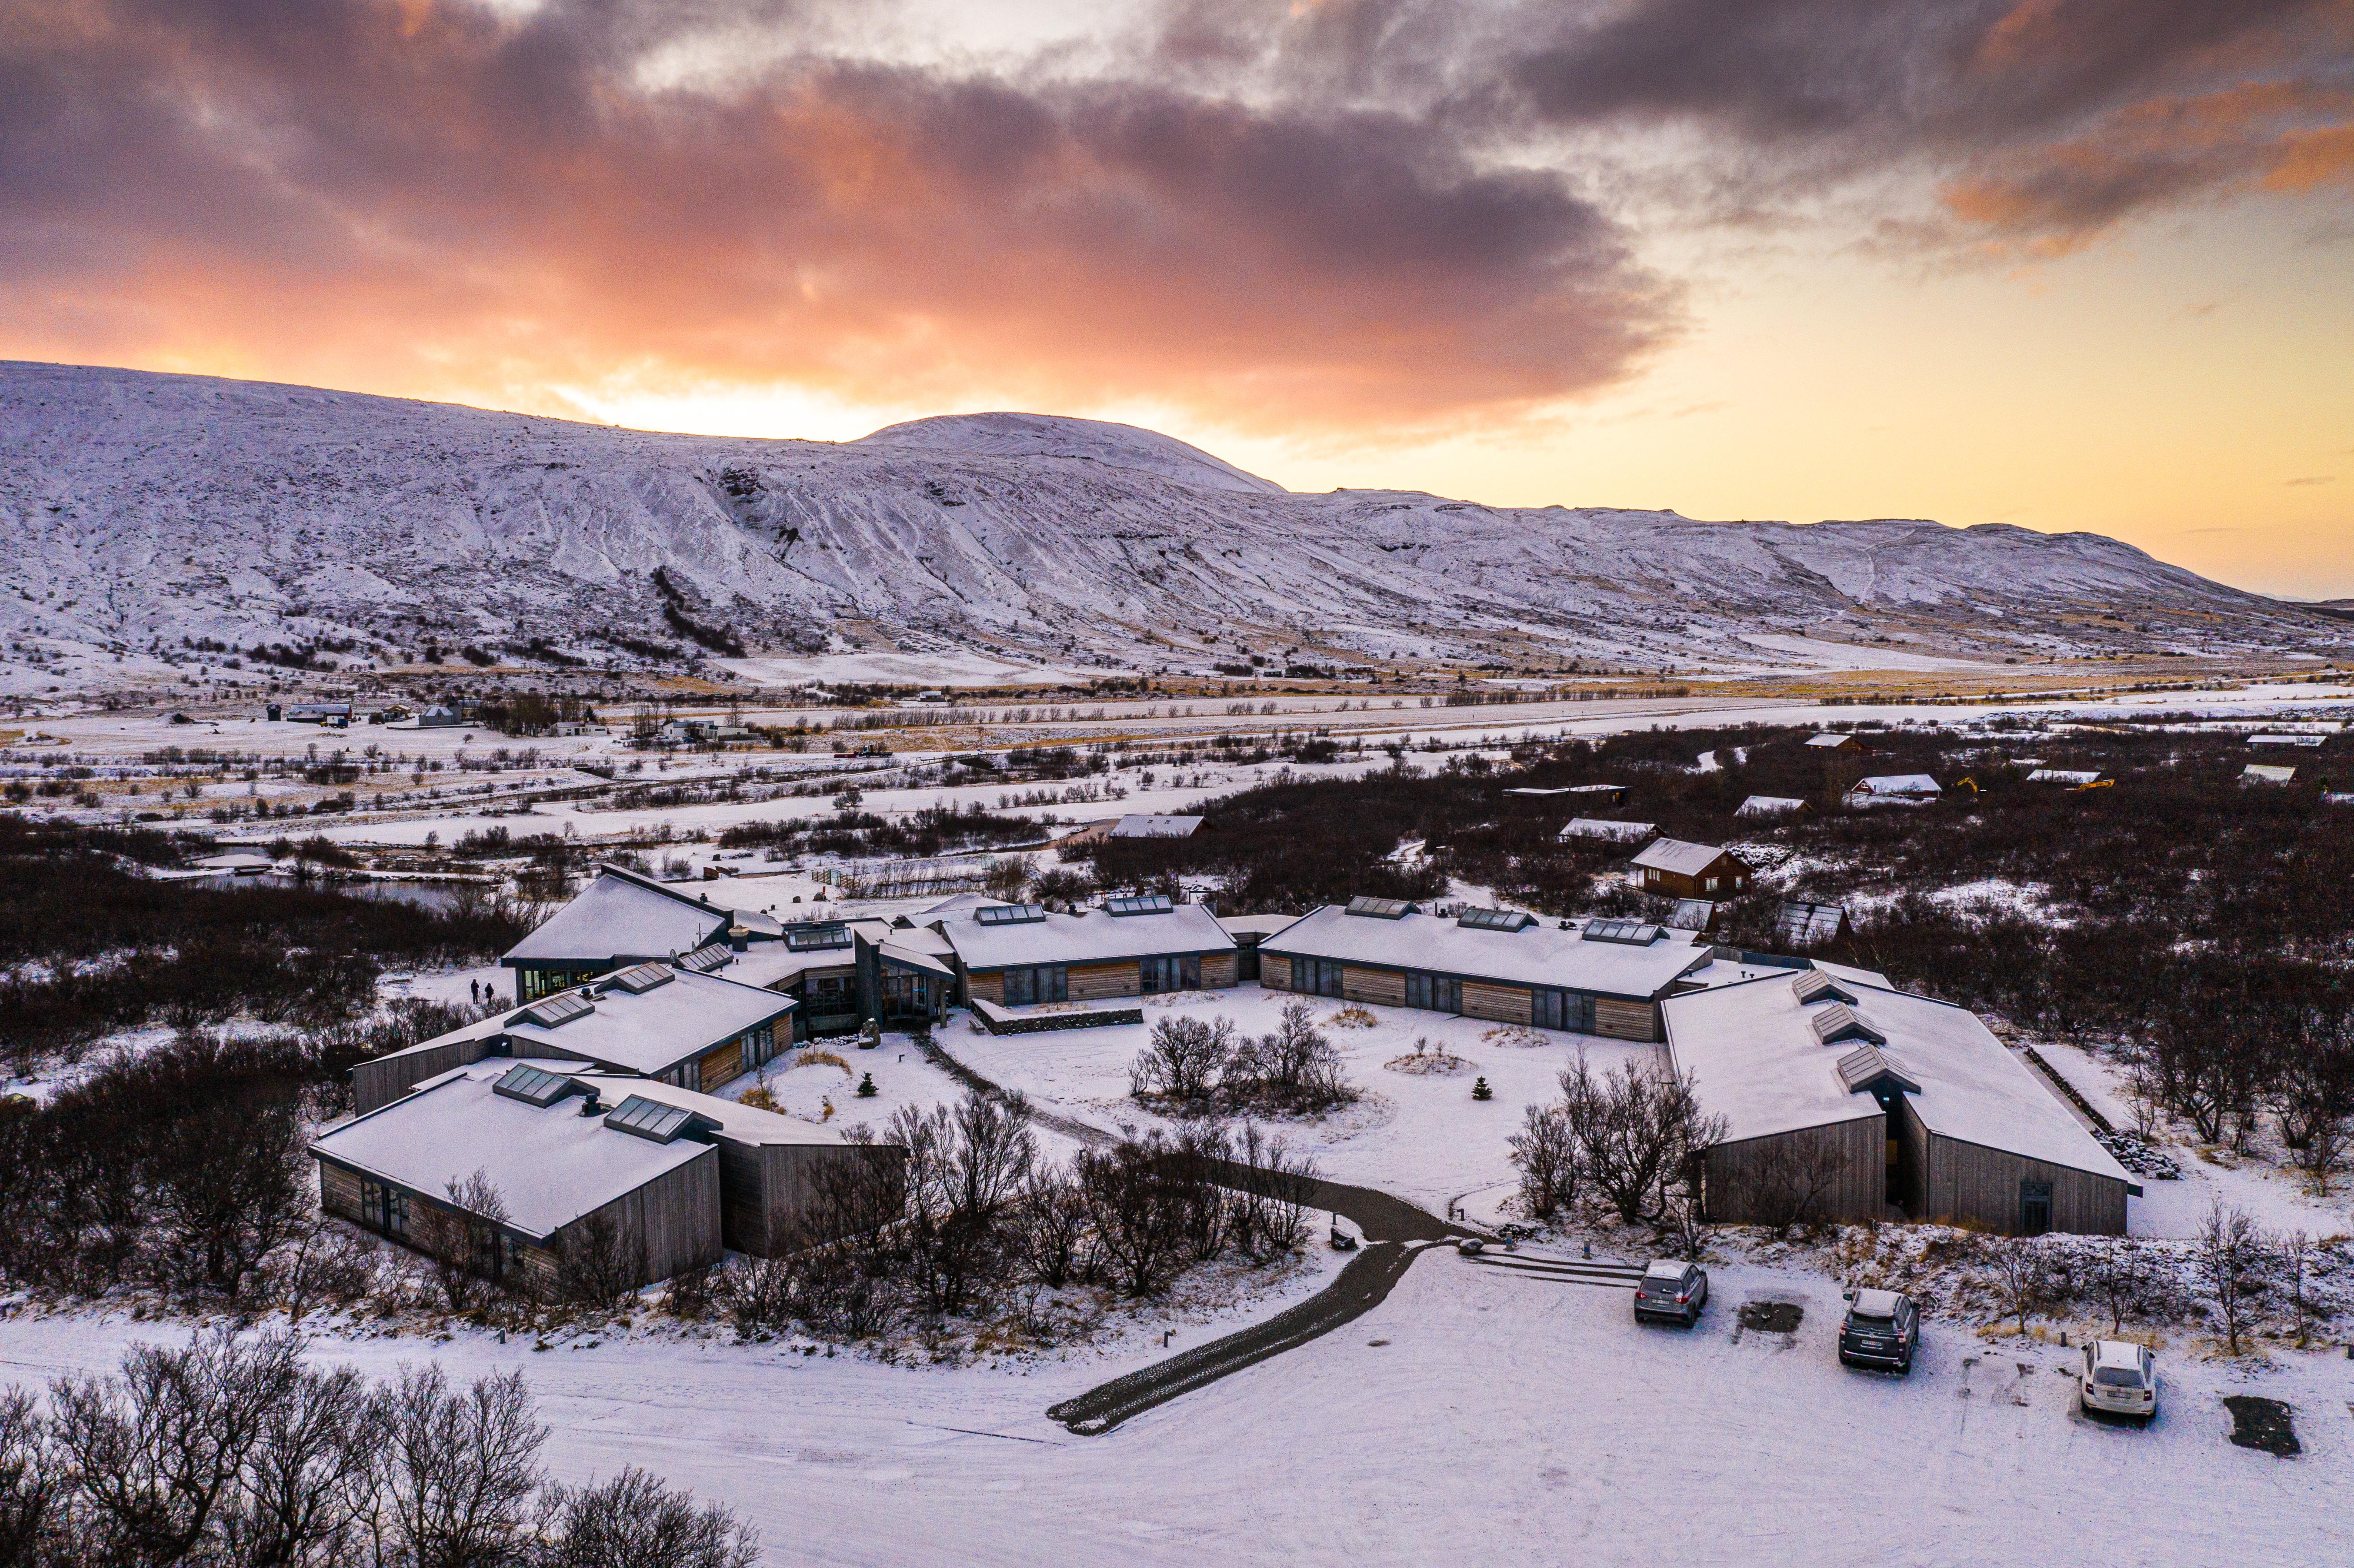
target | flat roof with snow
[
  {"x": 648, "y": 1031},
  {"x": 550, "y": 1164},
  {"x": 1140, "y": 826},
  {"x": 1542, "y": 954},
  {"x": 621, "y": 915},
  {"x": 1098, "y": 937},
  {"x": 1603, "y": 828}
]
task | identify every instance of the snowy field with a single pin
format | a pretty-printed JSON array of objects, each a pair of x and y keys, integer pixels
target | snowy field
[{"x": 1475, "y": 1416}]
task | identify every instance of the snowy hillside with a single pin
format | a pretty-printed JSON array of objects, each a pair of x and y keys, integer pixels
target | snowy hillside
[{"x": 151, "y": 514}]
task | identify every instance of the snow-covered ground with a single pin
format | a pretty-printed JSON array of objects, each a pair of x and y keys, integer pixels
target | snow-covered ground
[{"x": 1475, "y": 1416}]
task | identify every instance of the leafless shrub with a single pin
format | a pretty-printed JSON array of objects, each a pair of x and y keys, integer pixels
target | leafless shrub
[
  {"x": 1050, "y": 1222},
  {"x": 635, "y": 1519},
  {"x": 1183, "y": 1059},
  {"x": 467, "y": 1242},
  {"x": 1787, "y": 1186},
  {"x": 599, "y": 1262},
  {"x": 323, "y": 1263},
  {"x": 1138, "y": 1215},
  {"x": 1272, "y": 1189},
  {"x": 1546, "y": 1154},
  {"x": 2020, "y": 1275}
]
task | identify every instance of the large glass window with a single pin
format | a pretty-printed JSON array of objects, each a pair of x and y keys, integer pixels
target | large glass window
[
  {"x": 1046, "y": 982},
  {"x": 1439, "y": 993},
  {"x": 386, "y": 1208},
  {"x": 1171, "y": 974},
  {"x": 1316, "y": 977},
  {"x": 1551, "y": 1009}
]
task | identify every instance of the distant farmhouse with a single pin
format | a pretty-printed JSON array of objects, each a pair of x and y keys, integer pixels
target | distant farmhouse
[
  {"x": 1681, "y": 870},
  {"x": 1894, "y": 790},
  {"x": 1833, "y": 741}
]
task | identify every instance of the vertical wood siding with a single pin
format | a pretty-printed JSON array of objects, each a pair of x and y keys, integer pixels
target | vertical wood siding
[
  {"x": 1624, "y": 1020},
  {"x": 1502, "y": 1003},
  {"x": 1972, "y": 1184},
  {"x": 1092, "y": 982},
  {"x": 1383, "y": 988},
  {"x": 1859, "y": 1148}
]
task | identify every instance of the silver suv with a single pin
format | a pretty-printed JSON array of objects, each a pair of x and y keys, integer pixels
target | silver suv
[{"x": 1672, "y": 1292}]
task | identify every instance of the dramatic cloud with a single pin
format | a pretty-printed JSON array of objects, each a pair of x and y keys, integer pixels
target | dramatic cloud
[
  {"x": 2045, "y": 122},
  {"x": 428, "y": 180},
  {"x": 1300, "y": 215}
]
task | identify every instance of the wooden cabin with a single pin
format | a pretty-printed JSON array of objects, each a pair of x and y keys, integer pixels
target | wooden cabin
[{"x": 1675, "y": 869}]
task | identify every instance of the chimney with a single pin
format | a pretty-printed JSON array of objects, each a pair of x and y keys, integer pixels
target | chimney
[
  {"x": 590, "y": 1105},
  {"x": 739, "y": 938}
]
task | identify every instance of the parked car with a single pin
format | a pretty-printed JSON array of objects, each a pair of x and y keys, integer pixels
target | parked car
[
  {"x": 1882, "y": 1329},
  {"x": 2120, "y": 1379},
  {"x": 1673, "y": 1292}
]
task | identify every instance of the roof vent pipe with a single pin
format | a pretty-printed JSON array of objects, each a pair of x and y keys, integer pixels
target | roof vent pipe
[{"x": 588, "y": 1107}]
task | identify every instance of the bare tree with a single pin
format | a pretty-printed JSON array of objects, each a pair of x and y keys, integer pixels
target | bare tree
[
  {"x": 2296, "y": 1257},
  {"x": 2118, "y": 1278},
  {"x": 457, "y": 1471},
  {"x": 1788, "y": 1185},
  {"x": 2021, "y": 1279},
  {"x": 1638, "y": 1130},
  {"x": 601, "y": 1261},
  {"x": 1272, "y": 1188},
  {"x": 32, "y": 1486},
  {"x": 1546, "y": 1154},
  {"x": 1138, "y": 1215},
  {"x": 636, "y": 1521},
  {"x": 1050, "y": 1220},
  {"x": 468, "y": 1242},
  {"x": 2231, "y": 1253}
]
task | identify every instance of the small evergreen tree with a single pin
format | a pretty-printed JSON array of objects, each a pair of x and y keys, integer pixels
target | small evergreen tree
[
  {"x": 1480, "y": 1091},
  {"x": 867, "y": 1089}
]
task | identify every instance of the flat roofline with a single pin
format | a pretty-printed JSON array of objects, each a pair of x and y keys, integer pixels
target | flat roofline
[{"x": 1660, "y": 995}]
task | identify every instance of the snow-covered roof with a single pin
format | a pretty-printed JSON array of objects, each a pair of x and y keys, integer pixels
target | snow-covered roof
[
  {"x": 911, "y": 955},
  {"x": 1769, "y": 806},
  {"x": 1679, "y": 858},
  {"x": 621, "y": 915},
  {"x": 2063, "y": 776},
  {"x": 550, "y": 1164},
  {"x": 1757, "y": 1058},
  {"x": 1827, "y": 740},
  {"x": 1603, "y": 828},
  {"x": 1255, "y": 924},
  {"x": 652, "y": 1031},
  {"x": 1542, "y": 954},
  {"x": 1092, "y": 938},
  {"x": 1897, "y": 784},
  {"x": 1135, "y": 826},
  {"x": 1801, "y": 925},
  {"x": 738, "y": 1122},
  {"x": 2284, "y": 739},
  {"x": 2268, "y": 773}
]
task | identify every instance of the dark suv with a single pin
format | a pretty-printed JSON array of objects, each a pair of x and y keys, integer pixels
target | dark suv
[
  {"x": 1673, "y": 1292},
  {"x": 1882, "y": 1329}
]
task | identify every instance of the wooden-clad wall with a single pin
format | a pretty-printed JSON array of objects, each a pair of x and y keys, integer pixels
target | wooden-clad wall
[
  {"x": 1622, "y": 1020},
  {"x": 1972, "y": 1184},
  {"x": 1092, "y": 982},
  {"x": 790, "y": 1173},
  {"x": 1503, "y": 1004},
  {"x": 720, "y": 1066},
  {"x": 375, "y": 1084},
  {"x": 674, "y": 1219},
  {"x": 989, "y": 985},
  {"x": 1217, "y": 970},
  {"x": 1858, "y": 1150},
  {"x": 1383, "y": 988},
  {"x": 1275, "y": 971},
  {"x": 339, "y": 1192}
]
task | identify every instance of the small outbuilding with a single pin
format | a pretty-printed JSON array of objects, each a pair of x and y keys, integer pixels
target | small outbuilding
[
  {"x": 1894, "y": 790},
  {"x": 1770, "y": 806},
  {"x": 1135, "y": 826},
  {"x": 1679, "y": 869},
  {"x": 1799, "y": 925},
  {"x": 1606, "y": 830},
  {"x": 2267, "y": 773}
]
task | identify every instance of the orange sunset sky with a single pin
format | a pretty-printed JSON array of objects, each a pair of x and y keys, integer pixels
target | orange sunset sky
[{"x": 2068, "y": 264}]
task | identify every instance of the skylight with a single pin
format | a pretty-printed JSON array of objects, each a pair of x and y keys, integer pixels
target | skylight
[
  {"x": 649, "y": 1120},
  {"x": 812, "y": 939},
  {"x": 1496, "y": 920},
  {"x": 705, "y": 959},
  {"x": 1379, "y": 908},
  {"x": 559, "y": 1010},
  {"x": 641, "y": 978},
  {"x": 1141, "y": 904},
  {"x": 1009, "y": 914},
  {"x": 533, "y": 1085},
  {"x": 1630, "y": 933}
]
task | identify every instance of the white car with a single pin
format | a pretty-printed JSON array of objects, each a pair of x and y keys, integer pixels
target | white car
[{"x": 2120, "y": 1379}]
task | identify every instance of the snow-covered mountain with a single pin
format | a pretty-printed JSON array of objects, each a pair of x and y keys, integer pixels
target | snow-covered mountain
[{"x": 152, "y": 514}]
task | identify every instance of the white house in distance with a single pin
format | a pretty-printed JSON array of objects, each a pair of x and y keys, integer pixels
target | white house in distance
[
  {"x": 1135, "y": 826},
  {"x": 2267, "y": 773},
  {"x": 1894, "y": 790},
  {"x": 1604, "y": 829},
  {"x": 2075, "y": 777}
]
